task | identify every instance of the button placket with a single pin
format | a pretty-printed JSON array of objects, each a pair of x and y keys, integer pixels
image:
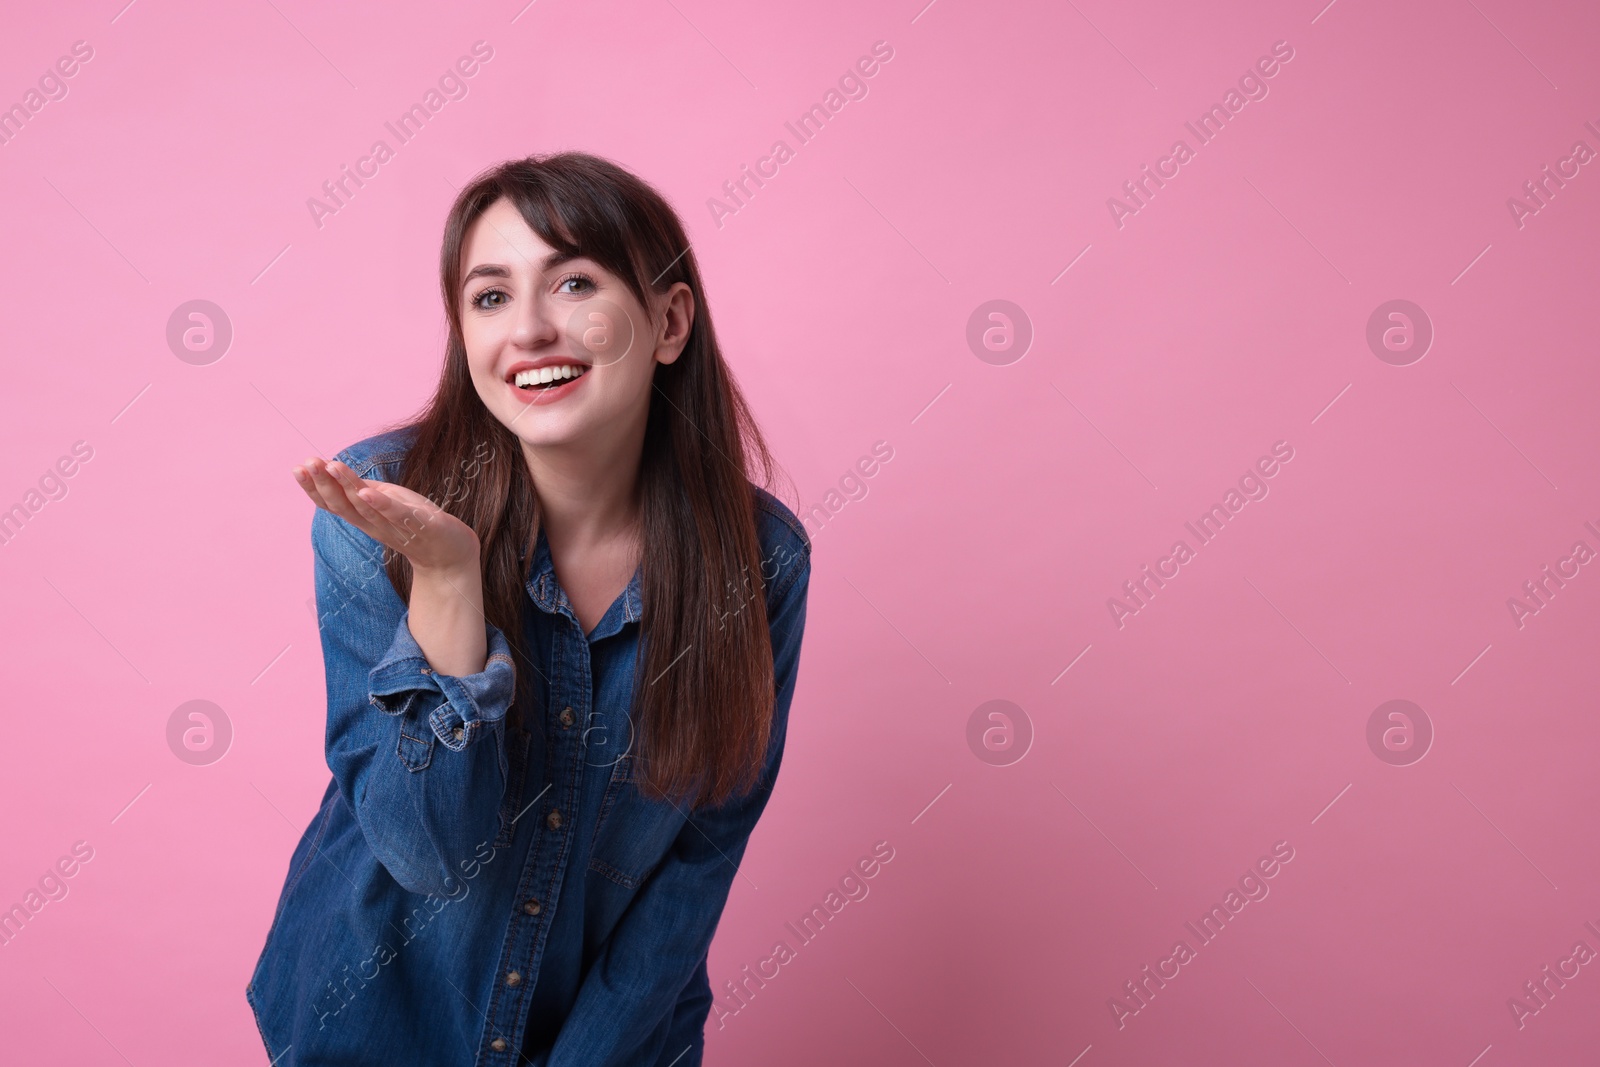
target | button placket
[{"x": 568, "y": 660}]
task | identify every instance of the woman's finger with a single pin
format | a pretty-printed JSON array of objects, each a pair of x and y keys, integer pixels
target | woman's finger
[
  {"x": 431, "y": 536},
  {"x": 334, "y": 497},
  {"x": 302, "y": 478},
  {"x": 407, "y": 520},
  {"x": 390, "y": 514},
  {"x": 380, "y": 523},
  {"x": 305, "y": 476},
  {"x": 329, "y": 488},
  {"x": 353, "y": 485}
]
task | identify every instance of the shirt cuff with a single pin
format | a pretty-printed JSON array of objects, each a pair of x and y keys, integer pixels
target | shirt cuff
[{"x": 457, "y": 708}]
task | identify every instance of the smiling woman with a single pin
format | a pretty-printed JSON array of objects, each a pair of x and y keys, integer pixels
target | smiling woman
[{"x": 537, "y": 677}]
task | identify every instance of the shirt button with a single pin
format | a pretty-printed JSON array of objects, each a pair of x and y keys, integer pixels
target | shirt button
[
  {"x": 553, "y": 820},
  {"x": 458, "y": 733},
  {"x": 513, "y": 978},
  {"x": 531, "y": 906},
  {"x": 567, "y": 718},
  {"x": 498, "y": 1044}
]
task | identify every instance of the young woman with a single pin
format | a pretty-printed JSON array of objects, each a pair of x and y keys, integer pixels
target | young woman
[{"x": 561, "y": 628}]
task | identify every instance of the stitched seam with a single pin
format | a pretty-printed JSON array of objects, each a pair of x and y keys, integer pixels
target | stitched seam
[
  {"x": 606, "y": 804},
  {"x": 372, "y": 461},
  {"x": 404, "y": 668},
  {"x": 250, "y": 995},
  {"x": 781, "y": 512},
  {"x": 311, "y": 854},
  {"x": 399, "y": 750},
  {"x": 601, "y": 867},
  {"x": 518, "y": 768},
  {"x": 794, "y": 576}
]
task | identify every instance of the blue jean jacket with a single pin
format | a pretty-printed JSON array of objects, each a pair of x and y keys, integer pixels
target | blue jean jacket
[{"x": 470, "y": 892}]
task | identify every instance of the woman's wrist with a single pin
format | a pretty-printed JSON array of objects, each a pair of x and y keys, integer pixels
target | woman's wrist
[
  {"x": 447, "y": 620},
  {"x": 459, "y": 573}
]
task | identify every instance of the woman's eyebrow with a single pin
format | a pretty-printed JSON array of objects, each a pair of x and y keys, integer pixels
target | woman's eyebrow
[
  {"x": 499, "y": 270},
  {"x": 486, "y": 270}
]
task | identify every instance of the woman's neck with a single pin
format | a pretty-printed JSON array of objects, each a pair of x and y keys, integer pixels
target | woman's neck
[{"x": 587, "y": 497}]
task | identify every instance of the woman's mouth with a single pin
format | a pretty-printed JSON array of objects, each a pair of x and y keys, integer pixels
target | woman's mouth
[{"x": 545, "y": 385}]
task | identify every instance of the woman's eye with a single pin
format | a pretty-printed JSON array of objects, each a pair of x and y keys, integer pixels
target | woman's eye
[
  {"x": 584, "y": 282},
  {"x": 479, "y": 300}
]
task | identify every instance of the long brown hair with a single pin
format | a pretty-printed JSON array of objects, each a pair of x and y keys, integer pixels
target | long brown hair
[{"x": 703, "y": 680}]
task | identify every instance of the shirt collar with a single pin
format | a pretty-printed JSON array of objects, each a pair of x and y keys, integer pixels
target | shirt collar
[{"x": 546, "y": 592}]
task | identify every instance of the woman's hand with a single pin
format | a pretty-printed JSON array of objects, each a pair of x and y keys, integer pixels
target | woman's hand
[
  {"x": 405, "y": 521},
  {"x": 446, "y": 607}
]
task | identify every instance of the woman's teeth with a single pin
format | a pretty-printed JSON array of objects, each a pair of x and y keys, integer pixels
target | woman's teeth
[{"x": 547, "y": 375}]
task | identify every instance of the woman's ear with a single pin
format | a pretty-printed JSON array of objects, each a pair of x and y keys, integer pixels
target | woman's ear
[{"x": 676, "y": 322}]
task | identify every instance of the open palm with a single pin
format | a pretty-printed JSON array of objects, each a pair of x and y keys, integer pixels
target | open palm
[{"x": 405, "y": 521}]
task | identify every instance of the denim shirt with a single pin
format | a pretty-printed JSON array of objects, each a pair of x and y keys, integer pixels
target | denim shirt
[{"x": 472, "y": 892}]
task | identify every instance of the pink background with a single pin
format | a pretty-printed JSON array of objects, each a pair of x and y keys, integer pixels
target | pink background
[{"x": 1228, "y": 314}]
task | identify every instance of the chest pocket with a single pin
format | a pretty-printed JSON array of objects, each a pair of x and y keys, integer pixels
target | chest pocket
[{"x": 632, "y": 833}]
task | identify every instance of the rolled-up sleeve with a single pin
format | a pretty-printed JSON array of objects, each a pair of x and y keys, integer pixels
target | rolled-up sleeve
[
  {"x": 457, "y": 709},
  {"x": 420, "y": 757},
  {"x": 644, "y": 1001}
]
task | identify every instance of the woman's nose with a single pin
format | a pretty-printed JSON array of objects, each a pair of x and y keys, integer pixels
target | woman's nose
[{"x": 535, "y": 322}]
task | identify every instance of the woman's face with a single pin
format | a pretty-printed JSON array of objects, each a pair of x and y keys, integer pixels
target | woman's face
[{"x": 561, "y": 352}]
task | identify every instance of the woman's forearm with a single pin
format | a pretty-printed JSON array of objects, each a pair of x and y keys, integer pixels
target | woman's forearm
[{"x": 446, "y": 618}]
